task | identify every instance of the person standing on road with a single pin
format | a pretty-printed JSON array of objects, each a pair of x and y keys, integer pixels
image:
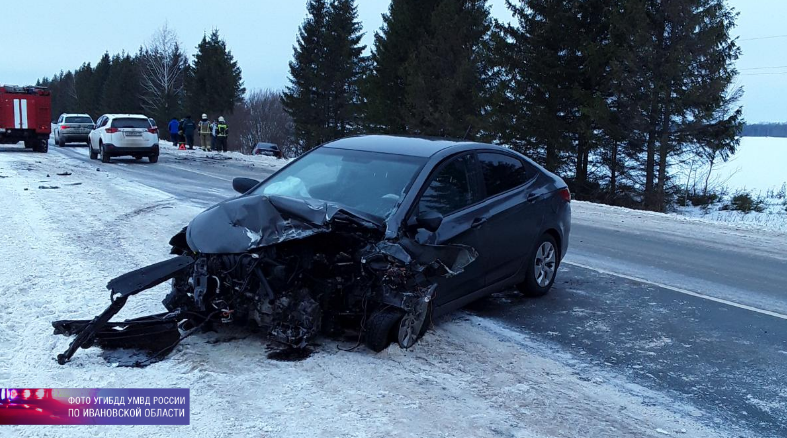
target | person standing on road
[
  {"x": 222, "y": 130},
  {"x": 205, "y": 134},
  {"x": 213, "y": 134},
  {"x": 174, "y": 127},
  {"x": 188, "y": 130}
]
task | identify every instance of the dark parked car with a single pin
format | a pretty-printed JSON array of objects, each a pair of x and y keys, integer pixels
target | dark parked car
[
  {"x": 268, "y": 149},
  {"x": 374, "y": 234}
]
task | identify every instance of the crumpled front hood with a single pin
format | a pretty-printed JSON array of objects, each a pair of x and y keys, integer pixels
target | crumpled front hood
[{"x": 249, "y": 222}]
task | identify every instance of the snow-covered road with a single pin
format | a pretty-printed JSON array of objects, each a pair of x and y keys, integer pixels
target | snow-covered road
[{"x": 474, "y": 375}]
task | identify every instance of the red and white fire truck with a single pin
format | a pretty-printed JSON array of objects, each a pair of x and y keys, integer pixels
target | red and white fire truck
[{"x": 25, "y": 114}]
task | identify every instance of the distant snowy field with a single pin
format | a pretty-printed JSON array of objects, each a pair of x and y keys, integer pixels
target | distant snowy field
[{"x": 759, "y": 167}]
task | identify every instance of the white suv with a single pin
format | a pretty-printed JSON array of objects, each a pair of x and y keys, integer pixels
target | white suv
[{"x": 123, "y": 135}]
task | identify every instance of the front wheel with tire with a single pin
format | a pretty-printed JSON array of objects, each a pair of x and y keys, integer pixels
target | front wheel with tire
[
  {"x": 104, "y": 155},
  {"x": 380, "y": 328},
  {"x": 542, "y": 267}
]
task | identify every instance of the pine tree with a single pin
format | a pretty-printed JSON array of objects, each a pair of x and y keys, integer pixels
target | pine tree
[
  {"x": 323, "y": 97},
  {"x": 214, "y": 83}
]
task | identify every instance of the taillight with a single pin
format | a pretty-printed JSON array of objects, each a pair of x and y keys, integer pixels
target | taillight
[
  {"x": 565, "y": 194},
  {"x": 64, "y": 127},
  {"x": 26, "y": 394},
  {"x": 153, "y": 130},
  {"x": 12, "y": 394},
  {"x": 40, "y": 393},
  {"x": 112, "y": 130}
]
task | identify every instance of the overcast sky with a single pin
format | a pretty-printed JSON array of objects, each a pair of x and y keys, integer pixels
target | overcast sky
[{"x": 43, "y": 37}]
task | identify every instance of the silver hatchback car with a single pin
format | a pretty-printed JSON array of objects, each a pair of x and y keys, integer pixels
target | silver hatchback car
[{"x": 73, "y": 128}]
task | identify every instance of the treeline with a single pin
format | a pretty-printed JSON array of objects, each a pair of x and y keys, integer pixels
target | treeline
[
  {"x": 162, "y": 82},
  {"x": 610, "y": 94},
  {"x": 765, "y": 130}
]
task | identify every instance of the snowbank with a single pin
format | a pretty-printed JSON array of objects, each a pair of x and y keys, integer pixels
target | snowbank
[
  {"x": 166, "y": 147},
  {"x": 468, "y": 377}
]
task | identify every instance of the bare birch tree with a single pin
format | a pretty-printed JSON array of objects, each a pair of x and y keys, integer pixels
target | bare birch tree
[
  {"x": 261, "y": 118},
  {"x": 162, "y": 73}
]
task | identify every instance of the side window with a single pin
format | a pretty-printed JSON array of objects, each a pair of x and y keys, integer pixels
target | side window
[
  {"x": 60, "y": 120},
  {"x": 104, "y": 122},
  {"x": 502, "y": 172},
  {"x": 451, "y": 188}
]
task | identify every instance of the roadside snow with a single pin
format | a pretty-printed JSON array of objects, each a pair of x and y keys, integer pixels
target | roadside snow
[
  {"x": 167, "y": 148},
  {"x": 468, "y": 377}
]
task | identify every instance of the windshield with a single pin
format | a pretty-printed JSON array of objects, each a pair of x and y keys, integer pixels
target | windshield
[
  {"x": 78, "y": 119},
  {"x": 369, "y": 182}
]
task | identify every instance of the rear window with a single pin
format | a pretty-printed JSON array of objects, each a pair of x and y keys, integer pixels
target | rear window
[
  {"x": 78, "y": 119},
  {"x": 131, "y": 123},
  {"x": 501, "y": 172}
]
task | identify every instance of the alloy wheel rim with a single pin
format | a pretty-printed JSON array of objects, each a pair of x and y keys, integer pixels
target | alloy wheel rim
[{"x": 545, "y": 264}]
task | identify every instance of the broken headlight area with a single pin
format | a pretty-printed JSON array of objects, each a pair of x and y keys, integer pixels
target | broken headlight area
[{"x": 334, "y": 276}]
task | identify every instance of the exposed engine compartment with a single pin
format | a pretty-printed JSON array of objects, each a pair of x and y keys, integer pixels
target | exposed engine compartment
[{"x": 291, "y": 268}]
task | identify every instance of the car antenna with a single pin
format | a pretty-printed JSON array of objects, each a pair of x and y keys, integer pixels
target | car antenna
[{"x": 467, "y": 132}]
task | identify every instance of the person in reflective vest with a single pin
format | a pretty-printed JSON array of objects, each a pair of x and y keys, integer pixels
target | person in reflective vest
[
  {"x": 222, "y": 130},
  {"x": 204, "y": 133}
]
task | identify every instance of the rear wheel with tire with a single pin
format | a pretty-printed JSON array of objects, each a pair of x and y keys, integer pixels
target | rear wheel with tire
[
  {"x": 153, "y": 158},
  {"x": 104, "y": 155},
  {"x": 42, "y": 146},
  {"x": 61, "y": 141},
  {"x": 542, "y": 268}
]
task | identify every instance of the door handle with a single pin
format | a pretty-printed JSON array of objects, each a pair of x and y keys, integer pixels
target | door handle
[
  {"x": 532, "y": 197},
  {"x": 477, "y": 222}
]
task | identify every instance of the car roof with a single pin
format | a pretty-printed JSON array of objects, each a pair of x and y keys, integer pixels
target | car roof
[
  {"x": 75, "y": 115},
  {"x": 131, "y": 116},
  {"x": 411, "y": 146}
]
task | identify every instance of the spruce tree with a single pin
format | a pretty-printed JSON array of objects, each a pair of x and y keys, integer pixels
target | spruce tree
[
  {"x": 214, "y": 83},
  {"x": 323, "y": 97},
  {"x": 445, "y": 77},
  {"x": 121, "y": 90},
  {"x": 305, "y": 99},
  {"x": 405, "y": 26},
  {"x": 345, "y": 67}
]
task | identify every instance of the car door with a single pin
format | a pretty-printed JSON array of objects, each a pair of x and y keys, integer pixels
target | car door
[
  {"x": 511, "y": 209},
  {"x": 95, "y": 135},
  {"x": 57, "y": 127},
  {"x": 453, "y": 191}
]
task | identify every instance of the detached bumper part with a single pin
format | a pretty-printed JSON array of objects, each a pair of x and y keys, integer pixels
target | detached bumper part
[{"x": 151, "y": 330}]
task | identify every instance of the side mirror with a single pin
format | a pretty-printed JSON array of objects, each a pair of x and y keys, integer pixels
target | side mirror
[
  {"x": 429, "y": 220},
  {"x": 243, "y": 185}
]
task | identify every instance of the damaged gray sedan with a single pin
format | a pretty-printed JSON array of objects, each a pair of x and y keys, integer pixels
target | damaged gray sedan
[{"x": 369, "y": 235}]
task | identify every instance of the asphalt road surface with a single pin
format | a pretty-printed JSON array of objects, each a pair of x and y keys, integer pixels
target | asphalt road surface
[{"x": 698, "y": 316}]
